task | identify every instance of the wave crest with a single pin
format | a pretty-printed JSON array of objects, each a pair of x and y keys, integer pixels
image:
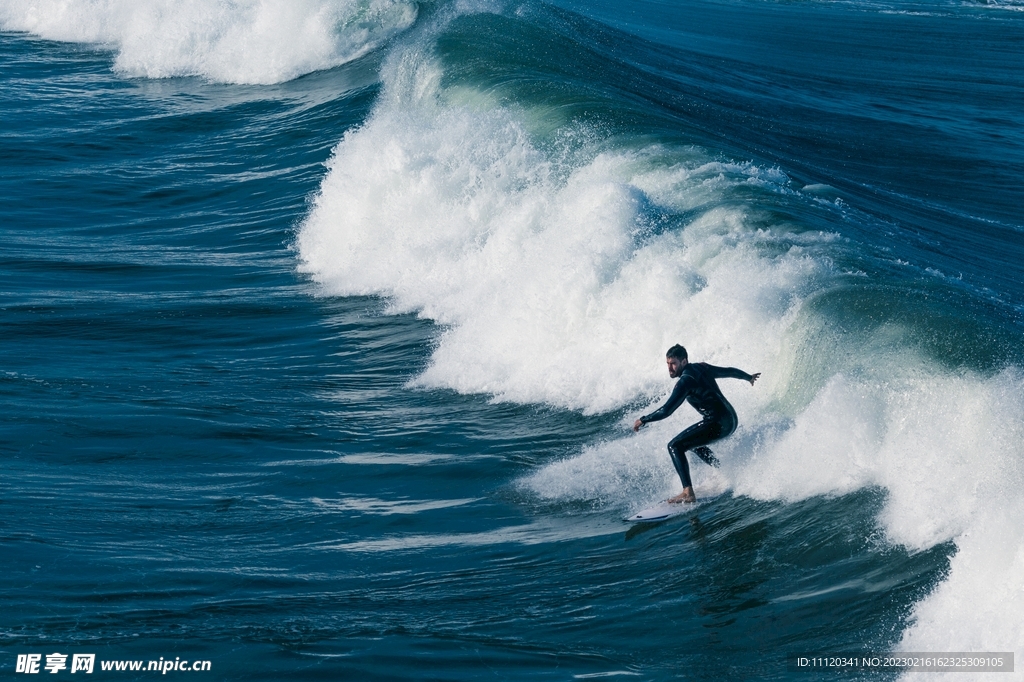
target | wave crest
[{"x": 236, "y": 41}]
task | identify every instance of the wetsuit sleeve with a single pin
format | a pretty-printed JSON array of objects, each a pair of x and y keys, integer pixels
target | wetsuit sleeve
[
  {"x": 670, "y": 406},
  {"x": 727, "y": 373}
]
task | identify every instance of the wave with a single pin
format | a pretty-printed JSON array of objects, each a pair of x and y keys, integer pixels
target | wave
[
  {"x": 552, "y": 266},
  {"x": 560, "y": 266},
  {"x": 237, "y": 41},
  {"x": 947, "y": 451}
]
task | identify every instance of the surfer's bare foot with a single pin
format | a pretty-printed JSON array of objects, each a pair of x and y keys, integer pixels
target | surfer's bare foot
[{"x": 685, "y": 497}]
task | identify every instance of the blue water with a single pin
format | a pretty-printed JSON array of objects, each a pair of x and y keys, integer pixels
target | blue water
[{"x": 320, "y": 345}]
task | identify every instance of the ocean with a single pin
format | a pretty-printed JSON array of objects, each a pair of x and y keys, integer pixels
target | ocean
[{"x": 323, "y": 325}]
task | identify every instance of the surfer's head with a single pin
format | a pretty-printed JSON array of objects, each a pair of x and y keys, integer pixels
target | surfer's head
[{"x": 676, "y": 360}]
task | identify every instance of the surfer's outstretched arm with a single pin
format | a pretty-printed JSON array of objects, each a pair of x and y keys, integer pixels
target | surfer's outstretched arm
[{"x": 732, "y": 373}]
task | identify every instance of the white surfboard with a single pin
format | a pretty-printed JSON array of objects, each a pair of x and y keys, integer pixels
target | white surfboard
[
  {"x": 708, "y": 490},
  {"x": 662, "y": 511}
]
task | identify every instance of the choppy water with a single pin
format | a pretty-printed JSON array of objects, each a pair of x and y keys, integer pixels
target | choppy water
[{"x": 323, "y": 325}]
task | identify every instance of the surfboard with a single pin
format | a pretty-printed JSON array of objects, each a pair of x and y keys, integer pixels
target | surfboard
[{"x": 662, "y": 511}]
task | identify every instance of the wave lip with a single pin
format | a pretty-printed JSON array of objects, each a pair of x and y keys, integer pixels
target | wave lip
[
  {"x": 241, "y": 41},
  {"x": 557, "y": 270}
]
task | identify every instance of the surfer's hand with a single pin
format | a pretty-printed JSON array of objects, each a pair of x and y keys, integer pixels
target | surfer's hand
[
  {"x": 753, "y": 378},
  {"x": 637, "y": 424}
]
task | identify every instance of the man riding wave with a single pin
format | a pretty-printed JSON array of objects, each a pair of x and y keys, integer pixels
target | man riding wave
[{"x": 696, "y": 384}]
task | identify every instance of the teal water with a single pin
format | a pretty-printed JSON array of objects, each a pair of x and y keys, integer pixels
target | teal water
[{"x": 320, "y": 362}]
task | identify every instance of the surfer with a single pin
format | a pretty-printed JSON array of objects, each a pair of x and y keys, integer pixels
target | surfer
[{"x": 697, "y": 386}]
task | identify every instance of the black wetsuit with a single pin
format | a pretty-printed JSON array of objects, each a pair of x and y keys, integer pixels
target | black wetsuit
[{"x": 697, "y": 386}]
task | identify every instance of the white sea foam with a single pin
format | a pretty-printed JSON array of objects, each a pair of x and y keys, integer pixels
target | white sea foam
[
  {"x": 625, "y": 474},
  {"x": 555, "y": 283},
  {"x": 231, "y": 41},
  {"x": 549, "y": 282},
  {"x": 949, "y": 451}
]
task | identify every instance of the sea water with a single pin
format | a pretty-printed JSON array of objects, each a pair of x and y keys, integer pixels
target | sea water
[{"x": 323, "y": 326}]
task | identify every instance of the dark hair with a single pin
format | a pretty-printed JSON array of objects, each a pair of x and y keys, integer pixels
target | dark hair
[{"x": 677, "y": 352}]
